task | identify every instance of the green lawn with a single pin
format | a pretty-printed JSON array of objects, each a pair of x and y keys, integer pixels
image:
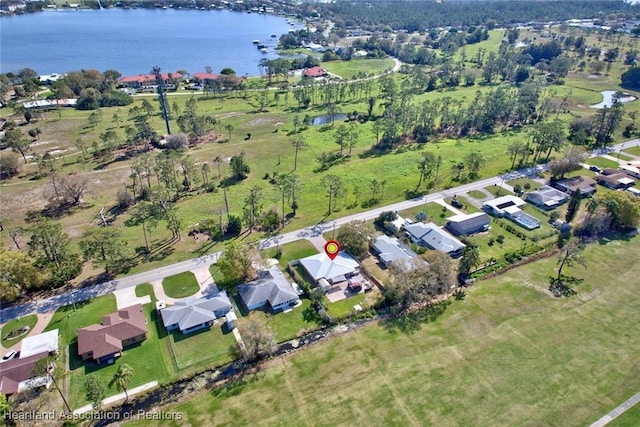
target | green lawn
[
  {"x": 477, "y": 194},
  {"x": 622, "y": 156},
  {"x": 292, "y": 251},
  {"x": 145, "y": 358},
  {"x": 508, "y": 354},
  {"x": 602, "y": 162},
  {"x": 292, "y": 324},
  {"x": 495, "y": 249},
  {"x": 436, "y": 213},
  {"x": 348, "y": 69},
  {"x": 345, "y": 306},
  {"x": 207, "y": 347},
  {"x": 633, "y": 150},
  {"x": 497, "y": 190},
  {"x": 631, "y": 418},
  {"x": 15, "y": 324},
  {"x": 533, "y": 185},
  {"x": 180, "y": 285}
]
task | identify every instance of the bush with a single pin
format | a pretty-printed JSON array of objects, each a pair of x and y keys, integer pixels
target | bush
[
  {"x": 9, "y": 165},
  {"x": 177, "y": 141},
  {"x": 235, "y": 226},
  {"x": 124, "y": 198}
]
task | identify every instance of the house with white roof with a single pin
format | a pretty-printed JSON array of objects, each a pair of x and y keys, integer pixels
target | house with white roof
[
  {"x": 194, "y": 314},
  {"x": 547, "y": 197},
  {"x": 46, "y": 342},
  {"x": 326, "y": 272},
  {"x": 500, "y": 206},
  {"x": 270, "y": 289},
  {"x": 434, "y": 237}
]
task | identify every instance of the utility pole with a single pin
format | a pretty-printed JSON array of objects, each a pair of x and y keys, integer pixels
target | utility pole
[{"x": 162, "y": 98}]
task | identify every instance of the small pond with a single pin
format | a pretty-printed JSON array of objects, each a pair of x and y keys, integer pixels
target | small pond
[
  {"x": 326, "y": 119},
  {"x": 607, "y": 99}
]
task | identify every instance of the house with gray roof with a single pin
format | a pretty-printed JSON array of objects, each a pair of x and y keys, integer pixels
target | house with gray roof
[
  {"x": 270, "y": 289},
  {"x": 194, "y": 314},
  {"x": 547, "y": 197},
  {"x": 390, "y": 249},
  {"x": 434, "y": 237},
  {"x": 464, "y": 224}
]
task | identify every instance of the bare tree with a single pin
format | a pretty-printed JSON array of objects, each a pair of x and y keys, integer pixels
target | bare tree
[{"x": 72, "y": 188}]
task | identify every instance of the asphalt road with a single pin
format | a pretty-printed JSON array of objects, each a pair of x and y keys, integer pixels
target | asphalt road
[{"x": 83, "y": 294}]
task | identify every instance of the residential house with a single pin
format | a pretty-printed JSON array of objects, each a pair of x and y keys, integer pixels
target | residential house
[
  {"x": 147, "y": 81},
  {"x": 326, "y": 272},
  {"x": 434, "y": 237},
  {"x": 194, "y": 314},
  {"x": 631, "y": 169},
  {"x": 464, "y": 224},
  {"x": 547, "y": 197},
  {"x": 105, "y": 342},
  {"x": 315, "y": 72},
  {"x": 44, "y": 343},
  {"x": 586, "y": 185},
  {"x": 614, "y": 179},
  {"x": 270, "y": 289},
  {"x": 390, "y": 249},
  {"x": 17, "y": 375},
  {"x": 498, "y": 207},
  {"x": 203, "y": 79}
]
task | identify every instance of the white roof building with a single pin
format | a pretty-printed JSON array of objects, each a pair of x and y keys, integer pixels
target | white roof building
[
  {"x": 319, "y": 266},
  {"x": 501, "y": 205},
  {"x": 40, "y": 343}
]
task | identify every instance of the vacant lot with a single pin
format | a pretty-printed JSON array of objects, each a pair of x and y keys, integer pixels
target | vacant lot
[{"x": 508, "y": 354}]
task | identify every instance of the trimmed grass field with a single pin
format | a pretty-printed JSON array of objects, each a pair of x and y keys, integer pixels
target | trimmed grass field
[
  {"x": 633, "y": 150},
  {"x": 291, "y": 324},
  {"x": 602, "y": 162},
  {"x": 210, "y": 347},
  {"x": 508, "y": 354},
  {"x": 180, "y": 285},
  {"x": 292, "y": 251},
  {"x": 15, "y": 324}
]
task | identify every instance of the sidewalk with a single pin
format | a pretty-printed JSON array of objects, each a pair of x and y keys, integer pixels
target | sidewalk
[{"x": 117, "y": 397}]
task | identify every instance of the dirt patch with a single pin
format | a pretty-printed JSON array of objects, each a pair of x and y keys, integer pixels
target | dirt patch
[
  {"x": 231, "y": 114},
  {"x": 260, "y": 122}
]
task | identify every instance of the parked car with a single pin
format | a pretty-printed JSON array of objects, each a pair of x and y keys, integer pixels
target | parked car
[
  {"x": 456, "y": 203},
  {"x": 10, "y": 355},
  {"x": 595, "y": 169}
]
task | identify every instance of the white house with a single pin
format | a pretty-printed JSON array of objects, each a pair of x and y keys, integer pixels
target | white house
[
  {"x": 463, "y": 224},
  {"x": 326, "y": 272}
]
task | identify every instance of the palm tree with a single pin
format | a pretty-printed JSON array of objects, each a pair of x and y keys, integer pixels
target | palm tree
[
  {"x": 121, "y": 379},
  {"x": 298, "y": 142}
]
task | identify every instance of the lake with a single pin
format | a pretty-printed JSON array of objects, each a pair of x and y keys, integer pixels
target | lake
[{"x": 132, "y": 41}]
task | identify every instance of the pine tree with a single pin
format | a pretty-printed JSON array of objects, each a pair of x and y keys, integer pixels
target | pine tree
[{"x": 574, "y": 205}]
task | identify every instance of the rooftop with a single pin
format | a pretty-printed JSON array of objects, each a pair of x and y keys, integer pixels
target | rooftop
[
  {"x": 46, "y": 342},
  {"x": 320, "y": 266},
  {"x": 195, "y": 311},
  {"x": 271, "y": 286},
  {"x": 390, "y": 249}
]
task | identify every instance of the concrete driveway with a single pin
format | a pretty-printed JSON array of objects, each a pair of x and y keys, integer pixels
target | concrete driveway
[{"x": 127, "y": 297}]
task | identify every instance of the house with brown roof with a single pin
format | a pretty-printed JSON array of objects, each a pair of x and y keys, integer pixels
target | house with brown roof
[
  {"x": 18, "y": 375},
  {"x": 314, "y": 72},
  {"x": 147, "y": 80},
  {"x": 105, "y": 342},
  {"x": 586, "y": 185},
  {"x": 614, "y": 179}
]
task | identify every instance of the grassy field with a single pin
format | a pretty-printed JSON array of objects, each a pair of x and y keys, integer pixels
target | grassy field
[
  {"x": 631, "y": 418},
  {"x": 180, "y": 285},
  {"x": 633, "y": 150},
  {"x": 508, "y": 354},
  {"x": 349, "y": 69},
  {"x": 27, "y": 321},
  {"x": 210, "y": 346},
  {"x": 291, "y": 251},
  {"x": 602, "y": 162}
]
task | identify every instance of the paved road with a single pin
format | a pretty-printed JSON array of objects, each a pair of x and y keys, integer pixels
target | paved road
[
  {"x": 618, "y": 411},
  {"x": 53, "y": 303}
]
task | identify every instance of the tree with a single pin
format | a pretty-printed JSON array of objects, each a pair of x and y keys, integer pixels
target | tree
[
  {"x": 573, "y": 206},
  {"x": 414, "y": 283},
  {"x": 469, "y": 261},
  {"x": 95, "y": 390},
  {"x": 94, "y": 119},
  {"x": 340, "y": 135},
  {"x": 334, "y": 186},
  {"x": 298, "y": 143},
  {"x": 259, "y": 340},
  {"x": 51, "y": 249},
  {"x": 631, "y": 78},
  {"x": 570, "y": 256},
  {"x": 571, "y": 161},
  {"x": 253, "y": 206},
  {"x": 473, "y": 162},
  {"x": 426, "y": 165},
  {"x": 122, "y": 378},
  {"x": 622, "y": 207},
  {"x": 239, "y": 166},
  {"x": 19, "y": 274},
  {"x": 355, "y": 237},
  {"x": 146, "y": 213},
  {"x": 105, "y": 246},
  {"x": 15, "y": 139},
  {"x": 72, "y": 188},
  {"x": 9, "y": 165},
  {"x": 237, "y": 262}
]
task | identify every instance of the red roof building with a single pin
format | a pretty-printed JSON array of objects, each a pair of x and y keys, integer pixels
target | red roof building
[
  {"x": 118, "y": 330},
  {"x": 17, "y": 375},
  {"x": 143, "y": 80},
  {"x": 314, "y": 72}
]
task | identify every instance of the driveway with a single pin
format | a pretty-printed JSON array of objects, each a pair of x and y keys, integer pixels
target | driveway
[{"x": 127, "y": 297}]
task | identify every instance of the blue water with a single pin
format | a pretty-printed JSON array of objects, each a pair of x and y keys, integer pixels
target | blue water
[{"x": 132, "y": 41}]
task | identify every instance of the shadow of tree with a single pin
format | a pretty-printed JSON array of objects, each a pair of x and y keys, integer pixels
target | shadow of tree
[{"x": 412, "y": 322}]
